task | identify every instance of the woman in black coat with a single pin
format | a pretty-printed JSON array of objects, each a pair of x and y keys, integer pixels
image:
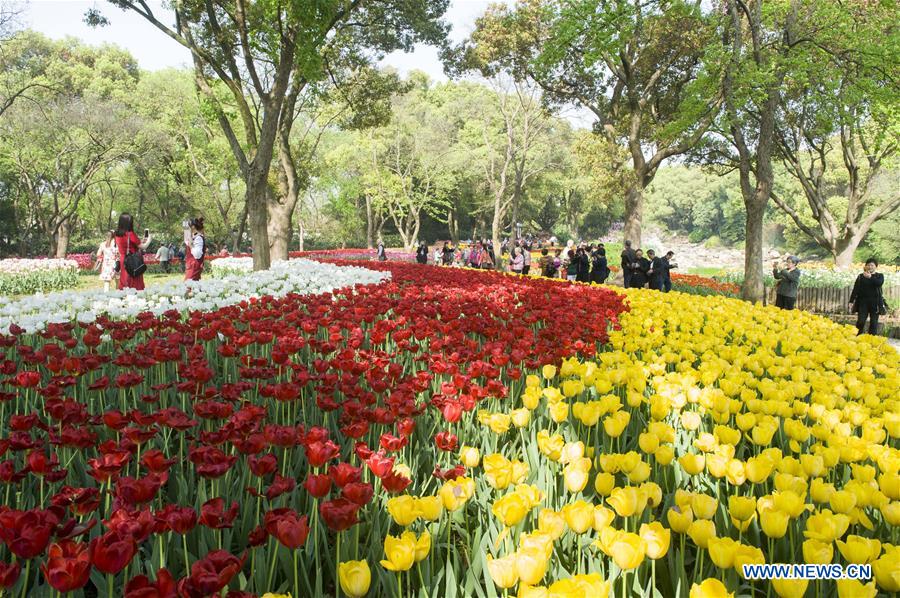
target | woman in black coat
[
  {"x": 600, "y": 267},
  {"x": 639, "y": 270},
  {"x": 422, "y": 253},
  {"x": 583, "y": 269},
  {"x": 866, "y": 298}
]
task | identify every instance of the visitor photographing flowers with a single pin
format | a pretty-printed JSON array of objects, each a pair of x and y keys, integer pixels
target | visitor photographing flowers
[
  {"x": 640, "y": 269},
  {"x": 107, "y": 256},
  {"x": 526, "y": 255},
  {"x": 130, "y": 247},
  {"x": 382, "y": 255},
  {"x": 628, "y": 258},
  {"x": 788, "y": 282},
  {"x": 195, "y": 248},
  {"x": 668, "y": 265},
  {"x": 516, "y": 260},
  {"x": 599, "y": 265},
  {"x": 867, "y": 299},
  {"x": 422, "y": 253}
]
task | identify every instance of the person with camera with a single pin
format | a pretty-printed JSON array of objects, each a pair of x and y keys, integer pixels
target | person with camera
[
  {"x": 787, "y": 283},
  {"x": 195, "y": 248},
  {"x": 130, "y": 248},
  {"x": 867, "y": 300}
]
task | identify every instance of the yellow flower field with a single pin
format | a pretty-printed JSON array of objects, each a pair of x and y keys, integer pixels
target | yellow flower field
[{"x": 711, "y": 434}]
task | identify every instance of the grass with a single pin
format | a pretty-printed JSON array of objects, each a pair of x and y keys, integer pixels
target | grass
[{"x": 705, "y": 271}]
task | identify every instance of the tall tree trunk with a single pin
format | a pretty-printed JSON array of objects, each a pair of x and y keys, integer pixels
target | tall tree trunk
[
  {"x": 634, "y": 214},
  {"x": 62, "y": 238},
  {"x": 370, "y": 224},
  {"x": 302, "y": 232},
  {"x": 496, "y": 228},
  {"x": 753, "y": 288},
  {"x": 453, "y": 225},
  {"x": 255, "y": 198},
  {"x": 239, "y": 233},
  {"x": 280, "y": 216}
]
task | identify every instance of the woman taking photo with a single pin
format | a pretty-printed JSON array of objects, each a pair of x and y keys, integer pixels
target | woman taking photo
[
  {"x": 127, "y": 243},
  {"x": 866, "y": 298},
  {"x": 194, "y": 248}
]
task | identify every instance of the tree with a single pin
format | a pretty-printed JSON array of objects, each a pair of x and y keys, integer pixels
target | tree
[
  {"x": 838, "y": 128},
  {"x": 266, "y": 53},
  {"x": 638, "y": 66}
]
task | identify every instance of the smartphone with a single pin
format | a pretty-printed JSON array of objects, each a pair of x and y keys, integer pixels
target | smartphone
[{"x": 146, "y": 232}]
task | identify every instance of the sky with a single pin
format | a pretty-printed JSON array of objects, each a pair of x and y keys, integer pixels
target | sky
[{"x": 154, "y": 50}]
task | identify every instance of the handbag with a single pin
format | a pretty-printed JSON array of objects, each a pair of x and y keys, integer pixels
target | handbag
[{"x": 134, "y": 261}]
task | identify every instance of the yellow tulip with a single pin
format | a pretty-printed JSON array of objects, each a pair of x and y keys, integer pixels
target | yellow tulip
[
  {"x": 701, "y": 531},
  {"x": 603, "y": 517},
  {"x": 747, "y": 555},
  {"x": 532, "y": 494},
  {"x": 690, "y": 420},
  {"x": 499, "y": 423},
  {"x": 624, "y": 501},
  {"x": 469, "y": 456},
  {"x": 455, "y": 493},
  {"x": 758, "y": 469},
  {"x": 790, "y": 588},
  {"x": 271, "y": 595},
  {"x": 511, "y": 509},
  {"x": 704, "y": 506},
  {"x": 429, "y": 507},
  {"x": 548, "y": 371},
  {"x": 851, "y": 588},
  {"x": 826, "y": 526},
  {"x": 741, "y": 508},
  {"x": 559, "y": 411},
  {"x": 891, "y": 513},
  {"x": 653, "y": 493},
  {"x": 887, "y": 570},
  {"x": 710, "y": 588},
  {"x": 541, "y": 541},
  {"x": 820, "y": 491},
  {"x": 735, "y": 472},
  {"x": 575, "y": 474},
  {"x": 817, "y": 552},
  {"x": 691, "y": 463},
  {"x": 520, "y": 417},
  {"x": 648, "y": 442},
  {"x": 628, "y": 550},
  {"x": 640, "y": 473},
  {"x": 679, "y": 519},
  {"x": 579, "y": 516},
  {"x": 774, "y": 522},
  {"x": 423, "y": 545},
  {"x": 551, "y": 522},
  {"x": 604, "y": 483},
  {"x": 403, "y": 509},
  {"x": 531, "y": 566},
  {"x": 497, "y": 471},
  {"x": 843, "y": 501},
  {"x": 551, "y": 446},
  {"x": 355, "y": 578},
  {"x": 656, "y": 538},
  {"x": 859, "y": 550},
  {"x": 664, "y": 455},
  {"x": 400, "y": 552},
  {"x": 615, "y": 424},
  {"x": 790, "y": 502},
  {"x": 721, "y": 552},
  {"x": 503, "y": 571}
]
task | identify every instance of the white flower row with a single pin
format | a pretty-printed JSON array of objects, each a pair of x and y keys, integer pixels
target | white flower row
[
  {"x": 301, "y": 276},
  {"x": 14, "y": 266}
]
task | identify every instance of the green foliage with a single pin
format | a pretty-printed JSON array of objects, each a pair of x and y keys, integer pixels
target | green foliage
[{"x": 38, "y": 280}]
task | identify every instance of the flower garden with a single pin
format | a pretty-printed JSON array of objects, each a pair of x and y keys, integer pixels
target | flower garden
[
  {"x": 322, "y": 429},
  {"x": 21, "y": 276}
]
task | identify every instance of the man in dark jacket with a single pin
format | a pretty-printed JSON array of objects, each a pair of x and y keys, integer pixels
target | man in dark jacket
[
  {"x": 656, "y": 272},
  {"x": 640, "y": 269},
  {"x": 447, "y": 255},
  {"x": 668, "y": 265},
  {"x": 422, "y": 253},
  {"x": 599, "y": 267},
  {"x": 788, "y": 283},
  {"x": 866, "y": 298},
  {"x": 628, "y": 258}
]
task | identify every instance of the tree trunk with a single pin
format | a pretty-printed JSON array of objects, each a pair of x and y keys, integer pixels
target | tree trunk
[
  {"x": 302, "y": 232},
  {"x": 753, "y": 287},
  {"x": 496, "y": 227},
  {"x": 239, "y": 233},
  {"x": 257, "y": 191},
  {"x": 453, "y": 226},
  {"x": 844, "y": 250},
  {"x": 370, "y": 224},
  {"x": 62, "y": 239},
  {"x": 280, "y": 217},
  {"x": 634, "y": 214}
]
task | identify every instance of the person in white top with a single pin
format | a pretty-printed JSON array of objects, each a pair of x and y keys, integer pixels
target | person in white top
[
  {"x": 107, "y": 258},
  {"x": 163, "y": 255},
  {"x": 195, "y": 248}
]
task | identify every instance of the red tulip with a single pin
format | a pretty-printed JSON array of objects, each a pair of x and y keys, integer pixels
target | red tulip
[
  {"x": 180, "y": 520},
  {"x": 287, "y": 527},
  {"x": 9, "y": 574},
  {"x": 262, "y": 466},
  {"x": 210, "y": 574},
  {"x": 68, "y": 565},
  {"x": 155, "y": 461},
  {"x": 317, "y": 485},
  {"x": 446, "y": 441},
  {"x": 358, "y": 493},
  {"x": 141, "y": 587},
  {"x": 394, "y": 482},
  {"x": 344, "y": 473},
  {"x": 137, "y": 524},
  {"x": 280, "y": 485},
  {"x": 379, "y": 464},
  {"x": 27, "y": 533},
  {"x": 213, "y": 514},
  {"x": 339, "y": 514},
  {"x": 112, "y": 551},
  {"x": 319, "y": 453}
]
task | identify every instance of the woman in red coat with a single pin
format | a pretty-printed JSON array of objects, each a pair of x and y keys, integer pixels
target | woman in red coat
[
  {"x": 128, "y": 242},
  {"x": 194, "y": 248}
]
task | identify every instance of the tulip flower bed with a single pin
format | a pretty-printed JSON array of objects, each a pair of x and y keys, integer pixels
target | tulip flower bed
[
  {"x": 702, "y": 285},
  {"x": 254, "y": 447},
  {"x": 22, "y": 276}
]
